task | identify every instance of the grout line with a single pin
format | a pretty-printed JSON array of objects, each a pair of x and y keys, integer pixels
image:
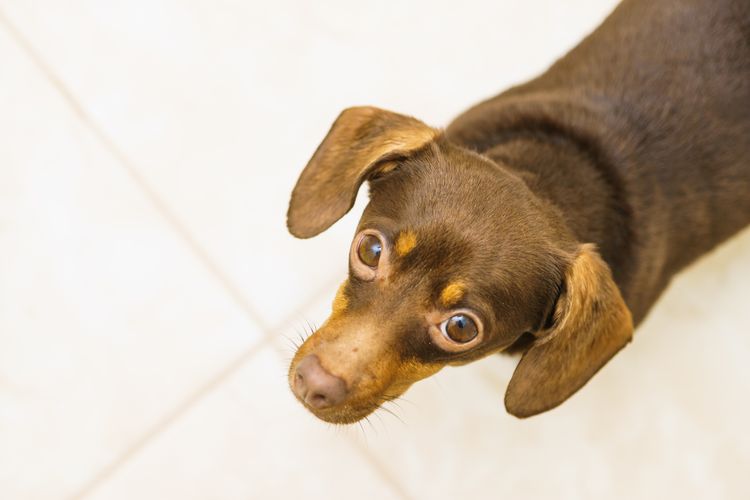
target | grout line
[
  {"x": 169, "y": 215},
  {"x": 330, "y": 287},
  {"x": 173, "y": 220},
  {"x": 184, "y": 407},
  {"x": 381, "y": 469},
  {"x": 374, "y": 461},
  {"x": 170, "y": 418},
  {"x": 294, "y": 317},
  {"x": 132, "y": 171}
]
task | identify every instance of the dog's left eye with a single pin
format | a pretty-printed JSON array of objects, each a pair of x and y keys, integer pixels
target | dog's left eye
[
  {"x": 460, "y": 328},
  {"x": 369, "y": 250}
]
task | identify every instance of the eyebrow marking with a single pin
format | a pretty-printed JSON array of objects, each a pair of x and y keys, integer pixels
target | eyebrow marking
[
  {"x": 340, "y": 302},
  {"x": 452, "y": 293},
  {"x": 405, "y": 242}
]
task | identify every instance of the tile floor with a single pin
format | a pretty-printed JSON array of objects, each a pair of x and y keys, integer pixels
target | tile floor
[{"x": 148, "y": 285}]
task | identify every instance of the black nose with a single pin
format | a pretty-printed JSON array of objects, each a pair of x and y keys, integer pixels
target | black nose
[{"x": 315, "y": 386}]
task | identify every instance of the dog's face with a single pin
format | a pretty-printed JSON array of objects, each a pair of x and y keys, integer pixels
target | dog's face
[{"x": 454, "y": 259}]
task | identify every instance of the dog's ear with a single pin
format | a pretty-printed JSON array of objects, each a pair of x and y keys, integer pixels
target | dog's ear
[
  {"x": 591, "y": 323},
  {"x": 362, "y": 141}
]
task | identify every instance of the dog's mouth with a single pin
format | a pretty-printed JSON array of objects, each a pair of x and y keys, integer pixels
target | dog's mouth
[{"x": 343, "y": 415}]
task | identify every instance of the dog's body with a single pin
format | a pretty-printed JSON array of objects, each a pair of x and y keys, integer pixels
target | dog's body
[
  {"x": 484, "y": 238},
  {"x": 641, "y": 135}
]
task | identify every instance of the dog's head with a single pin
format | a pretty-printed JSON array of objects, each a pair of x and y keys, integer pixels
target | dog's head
[{"x": 454, "y": 259}]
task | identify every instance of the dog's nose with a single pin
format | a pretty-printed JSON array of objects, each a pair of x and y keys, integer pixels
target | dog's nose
[{"x": 317, "y": 387}]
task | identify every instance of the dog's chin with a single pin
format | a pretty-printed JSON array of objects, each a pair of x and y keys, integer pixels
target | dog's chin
[
  {"x": 342, "y": 415},
  {"x": 347, "y": 413}
]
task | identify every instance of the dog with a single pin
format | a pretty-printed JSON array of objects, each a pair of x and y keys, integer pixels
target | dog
[{"x": 545, "y": 221}]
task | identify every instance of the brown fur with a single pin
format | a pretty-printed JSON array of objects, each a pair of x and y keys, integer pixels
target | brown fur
[{"x": 563, "y": 207}]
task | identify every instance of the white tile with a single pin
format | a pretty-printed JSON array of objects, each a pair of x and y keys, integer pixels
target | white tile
[
  {"x": 249, "y": 439},
  {"x": 304, "y": 321},
  {"x": 107, "y": 320},
  {"x": 222, "y": 103}
]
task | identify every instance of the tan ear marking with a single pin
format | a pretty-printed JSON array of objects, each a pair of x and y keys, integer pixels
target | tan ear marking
[
  {"x": 452, "y": 293},
  {"x": 386, "y": 167},
  {"x": 592, "y": 323},
  {"x": 362, "y": 142},
  {"x": 405, "y": 242}
]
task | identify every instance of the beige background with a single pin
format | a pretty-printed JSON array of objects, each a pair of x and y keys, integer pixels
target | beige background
[{"x": 148, "y": 285}]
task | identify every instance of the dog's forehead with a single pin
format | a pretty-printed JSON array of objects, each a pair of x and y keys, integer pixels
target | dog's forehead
[
  {"x": 445, "y": 218},
  {"x": 452, "y": 187}
]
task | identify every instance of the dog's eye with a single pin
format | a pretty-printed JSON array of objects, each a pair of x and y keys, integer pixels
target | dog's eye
[
  {"x": 459, "y": 328},
  {"x": 369, "y": 250}
]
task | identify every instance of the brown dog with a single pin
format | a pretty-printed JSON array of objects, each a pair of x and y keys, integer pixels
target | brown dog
[{"x": 546, "y": 220}]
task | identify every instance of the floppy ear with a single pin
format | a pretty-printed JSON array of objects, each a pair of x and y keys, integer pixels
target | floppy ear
[
  {"x": 361, "y": 141},
  {"x": 591, "y": 323}
]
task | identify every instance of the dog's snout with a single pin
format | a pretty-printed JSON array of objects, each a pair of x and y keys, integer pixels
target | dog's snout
[{"x": 315, "y": 386}]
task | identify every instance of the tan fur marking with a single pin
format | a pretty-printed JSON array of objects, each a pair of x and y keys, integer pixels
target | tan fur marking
[
  {"x": 359, "y": 142},
  {"x": 412, "y": 371},
  {"x": 452, "y": 293},
  {"x": 405, "y": 242},
  {"x": 340, "y": 302},
  {"x": 387, "y": 167},
  {"x": 592, "y": 323}
]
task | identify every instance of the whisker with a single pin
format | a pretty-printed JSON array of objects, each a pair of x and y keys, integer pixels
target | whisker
[
  {"x": 380, "y": 418},
  {"x": 394, "y": 402},
  {"x": 362, "y": 429},
  {"x": 401, "y": 398},
  {"x": 290, "y": 340},
  {"x": 367, "y": 419},
  {"x": 388, "y": 410},
  {"x": 311, "y": 328}
]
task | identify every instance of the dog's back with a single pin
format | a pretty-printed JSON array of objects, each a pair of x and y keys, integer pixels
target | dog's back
[{"x": 660, "y": 94}]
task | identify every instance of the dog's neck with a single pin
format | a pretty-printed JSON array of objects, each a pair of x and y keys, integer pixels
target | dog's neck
[
  {"x": 658, "y": 94},
  {"x": 565, "y": 175}
]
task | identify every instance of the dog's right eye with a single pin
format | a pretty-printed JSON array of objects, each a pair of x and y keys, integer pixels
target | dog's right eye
[
  {"x": 460, "y": 328},
  {"x": 369, "y": 250},
  {"x": 459, "y": 332}
]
